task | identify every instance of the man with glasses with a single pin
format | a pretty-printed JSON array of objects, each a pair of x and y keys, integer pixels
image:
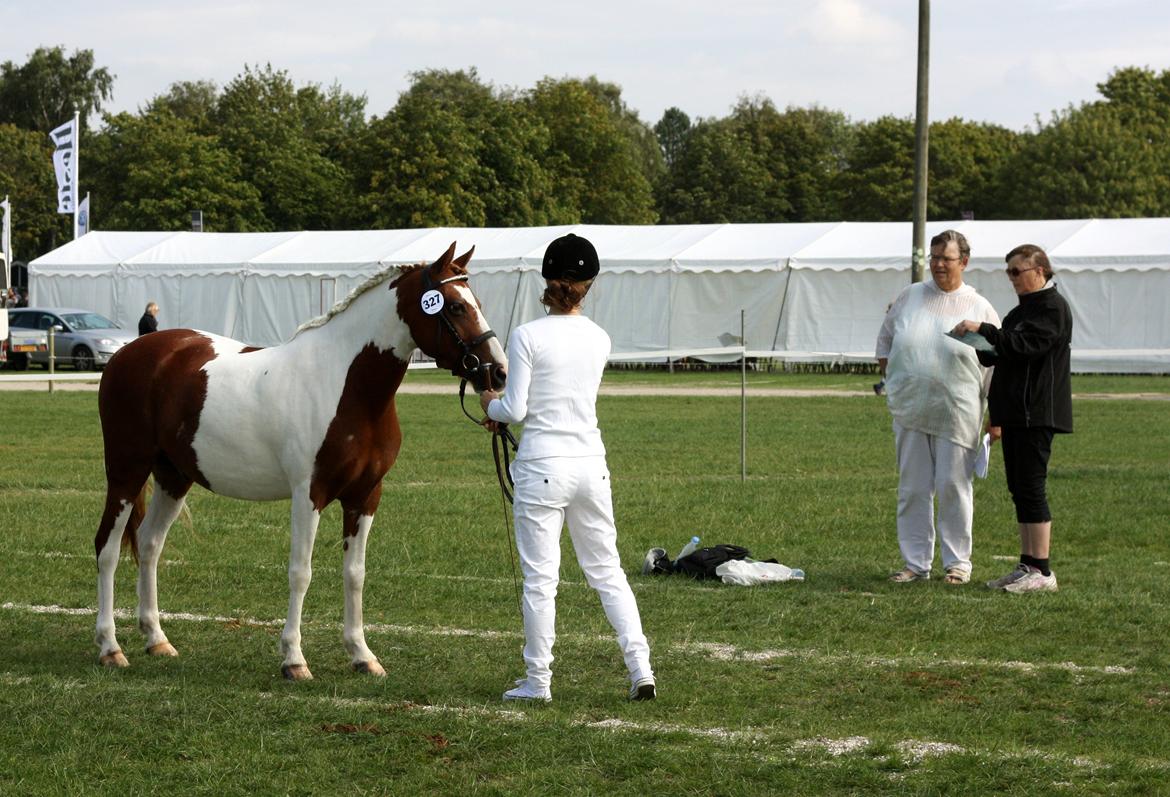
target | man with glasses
[
  {"x": 935, "y": 388},
  {"x": 1030, "y": 402}
]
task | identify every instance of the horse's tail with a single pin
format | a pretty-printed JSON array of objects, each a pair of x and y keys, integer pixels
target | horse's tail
[{"x": 137, "y": 513}]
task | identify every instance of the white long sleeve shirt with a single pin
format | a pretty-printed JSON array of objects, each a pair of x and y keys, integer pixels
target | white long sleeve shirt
[
  {"x": 935, "y": 384},
  {"x": 555, "y": 366}
]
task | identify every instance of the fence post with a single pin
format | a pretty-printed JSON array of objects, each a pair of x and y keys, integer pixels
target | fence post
[{"x": 52, "y": 355}]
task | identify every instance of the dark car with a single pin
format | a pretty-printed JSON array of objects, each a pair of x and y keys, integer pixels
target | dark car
[{"x": 84, "y": 338}]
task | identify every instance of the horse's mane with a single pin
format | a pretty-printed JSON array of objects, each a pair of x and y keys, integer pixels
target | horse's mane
[{"x": 369, "y": 284}]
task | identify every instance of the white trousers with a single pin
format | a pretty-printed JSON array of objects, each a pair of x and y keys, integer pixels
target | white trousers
[
  {"x": 930, "y": 468},
  {"x": 548, "y": 493}
]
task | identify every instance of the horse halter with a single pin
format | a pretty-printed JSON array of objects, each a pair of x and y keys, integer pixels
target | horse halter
[{"x": 479, "y": 372}]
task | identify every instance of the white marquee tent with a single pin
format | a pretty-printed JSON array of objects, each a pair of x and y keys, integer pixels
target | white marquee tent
[{"x": 809, "y": 292}]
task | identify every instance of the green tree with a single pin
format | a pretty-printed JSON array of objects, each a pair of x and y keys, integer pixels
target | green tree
[
  {"x": 1089, "y": 163},
  {"x": 284, "y": 138},
  {"x": 717, "y": 177},
  {"x": 194, "y": 101},
  {"x": 151, "y": 171},
  {"x": 672, "y": 131},
  {"x": 26, "y": 176},
  {"x": 46, "y": 90},
  {"x": 598, "y": 166},
  {"x": 969, "y": 169},
  {"x": 454, "y": 151},
  {"x": 877, "y": 181}
]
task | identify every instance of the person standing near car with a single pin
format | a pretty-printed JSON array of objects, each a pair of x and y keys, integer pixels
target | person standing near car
[
  {"x": 149, "y": 321},
  {"x": 555, "y": 365},
  {"x": 1030, "y": 402},
  {"x": 935, "y": 389}
]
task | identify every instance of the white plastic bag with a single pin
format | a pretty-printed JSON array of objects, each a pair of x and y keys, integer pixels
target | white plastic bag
[{"x": 747, "y": 573}]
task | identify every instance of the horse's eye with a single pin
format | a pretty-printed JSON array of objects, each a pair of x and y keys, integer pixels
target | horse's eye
[{"x": 456, "y": 308}]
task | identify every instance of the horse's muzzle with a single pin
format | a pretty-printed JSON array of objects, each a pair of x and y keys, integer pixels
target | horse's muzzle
[{"x": 484, "y": 376}]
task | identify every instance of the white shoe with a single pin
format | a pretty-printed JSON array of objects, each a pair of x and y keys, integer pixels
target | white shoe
[
  {"x": 525, "y": 692},
  {"x": 643, "y": 689},
  {"x": 1001, "y": 582},
  {"x": 1033, "y": 581}
]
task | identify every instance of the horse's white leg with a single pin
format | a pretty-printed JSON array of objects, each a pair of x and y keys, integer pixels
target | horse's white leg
[
  {"x": 152, "y": 534},
  {"x": 354, "y": 576},
  {"x": 300, "y": 572},
  {"x": 110, "y": 654}
]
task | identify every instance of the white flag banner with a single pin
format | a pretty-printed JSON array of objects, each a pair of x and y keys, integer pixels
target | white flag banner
[
  {"x": 6, "y": 230},
  {"x": 65, "y": 164},
  {"x": 6, "y": 244},
  {"x": 83, "y": 217}
]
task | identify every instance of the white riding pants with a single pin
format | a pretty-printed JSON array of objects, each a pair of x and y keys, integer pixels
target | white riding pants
[
  {"x": 548, "y": 493},
  {"x": 933, "y": 468}
]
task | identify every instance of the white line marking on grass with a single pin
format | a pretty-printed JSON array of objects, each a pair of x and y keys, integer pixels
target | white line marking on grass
[
  {"x": 724, "y": 652},
  {"x": 86, "y": 556},
  {"x": 916, "y": 750},
  {"x": 714, "y": 650},
  {"x": 1006, "y": 558},
  {"x": 833, "y": 747}
]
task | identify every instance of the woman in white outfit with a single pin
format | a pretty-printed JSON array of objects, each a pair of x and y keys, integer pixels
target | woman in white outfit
[
  {"x": 935, "y": 388},
  {"x": 555, "y": 366}
]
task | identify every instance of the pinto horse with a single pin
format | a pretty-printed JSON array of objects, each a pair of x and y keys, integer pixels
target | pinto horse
[{"x": 313, "y": 420}]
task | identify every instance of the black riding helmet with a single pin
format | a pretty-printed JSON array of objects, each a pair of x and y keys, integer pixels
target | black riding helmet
[{"x": 570, "y": 257}]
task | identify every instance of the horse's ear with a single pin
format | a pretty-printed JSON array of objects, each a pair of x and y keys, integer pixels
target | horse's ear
[
  {"x": 444, "y": 261},
  {"x": 465, "y": 258}
]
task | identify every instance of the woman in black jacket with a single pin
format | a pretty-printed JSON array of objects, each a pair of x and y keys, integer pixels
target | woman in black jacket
[{"x": 1030, "y": 401}]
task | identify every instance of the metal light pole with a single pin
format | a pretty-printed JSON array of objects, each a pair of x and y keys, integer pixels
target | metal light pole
[{"x": 921, "y": 144}]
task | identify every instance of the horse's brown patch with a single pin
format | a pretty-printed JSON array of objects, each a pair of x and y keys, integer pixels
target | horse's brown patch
[{"x": 363, "y": 438}]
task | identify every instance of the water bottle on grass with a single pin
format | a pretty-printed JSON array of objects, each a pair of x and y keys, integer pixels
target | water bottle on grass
[{"x": 688, "y": 549}]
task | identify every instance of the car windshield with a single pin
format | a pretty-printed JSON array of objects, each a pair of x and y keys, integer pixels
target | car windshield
[{"x": 88, "y": 321}]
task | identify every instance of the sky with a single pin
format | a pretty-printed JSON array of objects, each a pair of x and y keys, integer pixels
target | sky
[{"x": 1008, "y": 63}]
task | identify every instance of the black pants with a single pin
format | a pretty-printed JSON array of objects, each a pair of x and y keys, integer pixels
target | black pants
[{"x": 1025, "y": 462}]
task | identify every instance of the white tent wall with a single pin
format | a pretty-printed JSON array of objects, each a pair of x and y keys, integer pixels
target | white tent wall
[{"x": 811, "y": 292}]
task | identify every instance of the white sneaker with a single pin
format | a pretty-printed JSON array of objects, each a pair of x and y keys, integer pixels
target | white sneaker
[
  {"x": 1012, "y": 577},
  {"x": 1034, "y": 581},
  {"x": 643, "y": 689},
  {"x": 525, "y": 692},
  {"x": 906, "y": 575}
]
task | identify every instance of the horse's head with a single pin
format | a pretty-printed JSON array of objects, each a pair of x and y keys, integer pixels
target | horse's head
[{"x": 447, "y": 322}]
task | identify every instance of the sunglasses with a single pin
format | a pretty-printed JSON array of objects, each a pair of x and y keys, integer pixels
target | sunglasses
[{"x": 1014, "y": 272}]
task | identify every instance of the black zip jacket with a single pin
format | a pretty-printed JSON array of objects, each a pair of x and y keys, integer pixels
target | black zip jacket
[{"x": 1031, "y": 385}]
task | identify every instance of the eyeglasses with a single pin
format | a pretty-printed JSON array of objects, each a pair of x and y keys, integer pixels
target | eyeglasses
[
  {"x": 1014, "y": 272},
  {"x": 941, "y": 259}
]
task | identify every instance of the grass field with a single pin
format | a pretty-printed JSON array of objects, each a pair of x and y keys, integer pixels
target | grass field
[{"x": 843, "y": 684}]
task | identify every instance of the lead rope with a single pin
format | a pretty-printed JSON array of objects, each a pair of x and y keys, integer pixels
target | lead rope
[{"x": 502, "y": 438}]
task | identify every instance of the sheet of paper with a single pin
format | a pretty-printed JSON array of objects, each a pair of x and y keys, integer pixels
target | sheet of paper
[
  {"x": 973, "y": 339},
  {"x": 983, "y": 457}
]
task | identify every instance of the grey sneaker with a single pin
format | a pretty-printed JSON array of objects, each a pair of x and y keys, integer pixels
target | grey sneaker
[
  {"x": 906, "y": 575},
  {"x": 1012, "y": 577},
  {"x": 1034, "y": 581},
  {"x": 643, "y": 689},
  {"x": 527, "y": 693}
]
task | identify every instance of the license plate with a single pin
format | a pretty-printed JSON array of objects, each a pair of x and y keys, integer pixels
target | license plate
[{"x": 26, "y": 347}]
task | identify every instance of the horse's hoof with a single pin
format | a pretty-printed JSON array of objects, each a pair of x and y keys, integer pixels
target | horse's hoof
[
  {"x": 162, "y": 649},
  {"x": 371, "y": 667},
  {"x": 296, "y": 672},
  {"x": 115, "y": 659}
]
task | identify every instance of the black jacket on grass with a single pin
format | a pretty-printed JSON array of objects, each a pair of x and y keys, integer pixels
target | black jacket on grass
[{"x": 1031, "y": 385}]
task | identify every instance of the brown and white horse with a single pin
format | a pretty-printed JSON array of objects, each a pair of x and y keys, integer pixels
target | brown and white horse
[{"x": 312, "y": 420}]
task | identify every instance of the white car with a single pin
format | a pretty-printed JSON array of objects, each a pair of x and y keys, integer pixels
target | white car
[{"x": 82, "y": 337}]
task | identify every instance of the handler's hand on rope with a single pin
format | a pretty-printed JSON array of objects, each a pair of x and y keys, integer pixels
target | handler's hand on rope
[{"x": 485, "y": 398}]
